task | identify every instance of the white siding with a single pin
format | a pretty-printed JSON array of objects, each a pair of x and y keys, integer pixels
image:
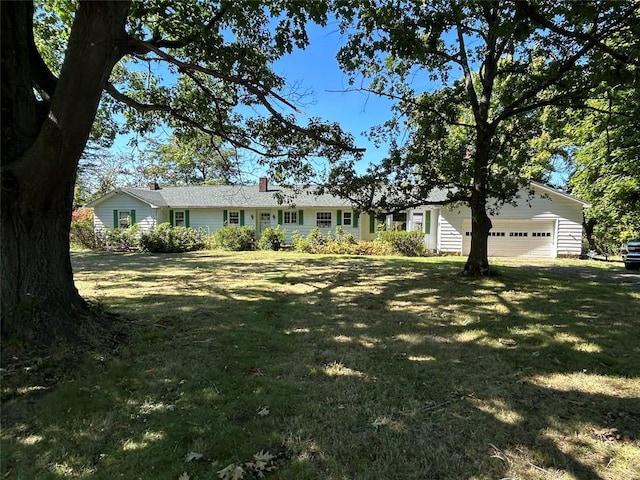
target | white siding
[
  {"x": 365, "y": 220},
  {"x": 146, "y": 217},
  {"x": 450, "y": 230},
  {"x": 569, "y": 237}
]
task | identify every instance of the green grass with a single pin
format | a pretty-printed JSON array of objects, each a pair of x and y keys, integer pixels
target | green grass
[{"x": 342, "y": 367}]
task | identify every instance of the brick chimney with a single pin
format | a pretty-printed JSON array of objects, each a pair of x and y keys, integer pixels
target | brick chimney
[
  {"x": 262, "y": 185},
  {"x": 154, "y": 186}
]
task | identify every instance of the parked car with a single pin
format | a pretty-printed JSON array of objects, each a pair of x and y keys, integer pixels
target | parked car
[{"x": 631, "y": 254}]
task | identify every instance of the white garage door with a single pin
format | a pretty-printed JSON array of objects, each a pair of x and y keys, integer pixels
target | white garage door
[{"x": 516, "y": 238}]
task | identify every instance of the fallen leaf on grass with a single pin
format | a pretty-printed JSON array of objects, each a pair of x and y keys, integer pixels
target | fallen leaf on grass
[
  {"x": 379, "y": 422},
  {"x": 263, "y": 411},
  {"x": 262, "y": 463},
  {"x": 184, "y": 476},
  {"x": 232, "y": 471},
  {"x": 607, "y": 434},
  {"x": 193, "y": 456},
  {"x": 508, "y": 342}
]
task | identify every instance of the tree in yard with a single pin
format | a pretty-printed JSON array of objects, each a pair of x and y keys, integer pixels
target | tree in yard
[
  {"x": 195, "y": 160},
  {"x": 64, "y": 65},
  {"x": 100, "y": 171},
  {"x": 606, "y": 143},
  {"x": 475, "y": 82}
]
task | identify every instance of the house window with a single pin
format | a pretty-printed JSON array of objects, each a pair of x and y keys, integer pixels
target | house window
[
  {"x": 124, "y": 219},
  {"x": 417, "y": 222},
  {"x": 323, "y": 219},
  {"x": 400, "y": 221},
  {"x": 496, "y": 234},
  {"x": 518, "y": 234},
  {"x": 290, "y": 218},
  {"x": 347, "y": 219},
  {"x": 178, "y": 218},
  {"x": 541, "y": 234},
  {"x": 234, "y": 218}
]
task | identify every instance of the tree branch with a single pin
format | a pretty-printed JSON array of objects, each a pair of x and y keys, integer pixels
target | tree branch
[
  {"x": 403, "y": 99},
  {"x": 160, "y": 42},
  {"x": 253, "y": 87},
  {"x": 45, "y": 80},
  {"x": 473, "y": 97},
  {"x": 256, "y": 89},
  {"x": 530, "y": 10},
  {"x": 515, "y": 107},
  {"x": 151, "y": 107}
]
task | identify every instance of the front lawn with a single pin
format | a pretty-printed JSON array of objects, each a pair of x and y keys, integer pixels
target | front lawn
[{"x": 318, "y": 367}]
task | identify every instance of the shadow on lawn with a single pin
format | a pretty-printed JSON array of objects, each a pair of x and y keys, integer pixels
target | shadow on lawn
[{"x": 370, "y": 368}]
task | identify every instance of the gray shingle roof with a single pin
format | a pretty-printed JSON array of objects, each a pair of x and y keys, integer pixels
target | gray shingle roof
[
  {"x": 221, "y": 196},
  {"x": 229, "y": 196}
]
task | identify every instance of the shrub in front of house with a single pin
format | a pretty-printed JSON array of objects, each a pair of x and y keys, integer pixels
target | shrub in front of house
[
  {"x": 410, "y": 244},
  {"x": 272, "y": 238},
  {"x": 373, "y": 247},
  {"x": 314, "y": 242},
  {"x": 82, "y": 233},
  {"x": 167, "y": 239},
  {"x": 235, "y": 238},
  {"x": 120, "y": 239},
  {"x": 340, "y": 242},
  {"x": 392, "y": 242}
]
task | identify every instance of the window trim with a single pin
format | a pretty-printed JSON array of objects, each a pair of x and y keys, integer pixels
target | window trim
[
  {"x": 399, "y": 221},
  {"x": 175, "y": 218},
  {"x": 128, "y": 219},
  {"x": 235, "y": 213},
  {"x": 293, "y": 217},
  {"x": 329, "y": 219},
  {"x": 347, "y": 214}
]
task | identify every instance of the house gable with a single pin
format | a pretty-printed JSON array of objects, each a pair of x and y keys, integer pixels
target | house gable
[{"x": 106, "y": 211}]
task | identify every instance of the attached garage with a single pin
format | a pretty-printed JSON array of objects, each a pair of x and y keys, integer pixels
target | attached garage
[
  {"x": 544, "y": 223},
  {"x": 516, "y": 238}
]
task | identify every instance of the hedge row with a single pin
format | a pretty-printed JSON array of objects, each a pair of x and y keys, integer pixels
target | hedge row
[{"x": 167, "y": 239}]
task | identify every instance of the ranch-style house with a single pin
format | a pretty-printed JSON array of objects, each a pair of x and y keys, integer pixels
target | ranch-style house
[{"x": 546, "y": 225}]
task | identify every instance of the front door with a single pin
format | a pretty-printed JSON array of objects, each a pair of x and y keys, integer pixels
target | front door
[{"x": 264, "y": 221}]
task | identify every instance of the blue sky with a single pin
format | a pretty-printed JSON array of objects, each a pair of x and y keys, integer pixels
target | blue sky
[{"x": 316, "y": 67}]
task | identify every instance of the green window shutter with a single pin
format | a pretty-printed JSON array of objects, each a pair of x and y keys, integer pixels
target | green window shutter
[
  {"x": 242, "y": 218},
  {"x": 300, "y": 217},
  {"x": 171, "y": 217},
  {"x": 339, "y": 221},
  {"x": 279, "y": 217},
  {"x": 186, "y": 218},
  {"x": 133, "y": 217},
  {"x": 356, "y": 217},
  {"x": 225, "y": 217},
  {"x": 115, "y": 219},
  {"x": 372, "y": 223},
  {"x": 427, "y": 221}
]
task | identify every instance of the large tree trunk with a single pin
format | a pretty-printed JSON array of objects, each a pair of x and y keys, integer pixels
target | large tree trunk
[
  {"x": 42, "y": 140},
  {"x": 478, "y": 259}
]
